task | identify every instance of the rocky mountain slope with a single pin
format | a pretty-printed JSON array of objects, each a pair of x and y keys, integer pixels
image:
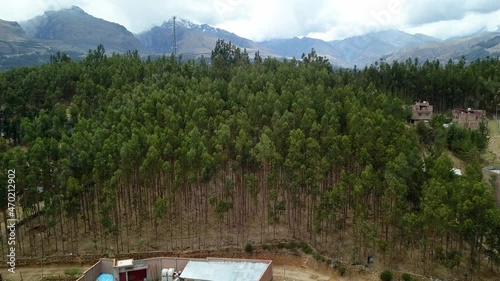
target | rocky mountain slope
[
  {"x": 74, "y": 32},
  {"x": 16, "y": 49},
  {"x": 366, "y": 49},
  {"x": 357, "y": 50},
  {"x": 73, "y": 29},
  {"x": 472, "y": 48},
  {"x": 192, "y": 39}
]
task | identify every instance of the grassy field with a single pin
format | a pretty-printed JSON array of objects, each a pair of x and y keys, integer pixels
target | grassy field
[
  {"x": 36, "y": 273},
  {"x": 492, "y": 156}
]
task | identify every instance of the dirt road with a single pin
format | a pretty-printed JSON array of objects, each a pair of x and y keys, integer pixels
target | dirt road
[{"x": 292, "y": 273}]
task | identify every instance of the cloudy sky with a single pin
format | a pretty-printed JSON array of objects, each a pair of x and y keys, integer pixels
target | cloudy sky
[{"x": 265, "y": 19}]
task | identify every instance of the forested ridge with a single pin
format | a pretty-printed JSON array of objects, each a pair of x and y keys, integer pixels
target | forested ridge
[{"x": 137, "y": 155}]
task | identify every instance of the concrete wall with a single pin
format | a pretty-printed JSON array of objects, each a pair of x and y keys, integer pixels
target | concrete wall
[
  {"x": 102, "y": 266},
  {"x": 155, "y": 265},
  {"x": 468, "y": 119},
  {"x": 268, "y": 274},
  {"x": 107, "y": 265},
  {"x": 421, "y": 111}
]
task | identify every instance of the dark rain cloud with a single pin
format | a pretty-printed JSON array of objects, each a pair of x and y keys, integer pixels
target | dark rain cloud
[{"x": 430, "y": 11}]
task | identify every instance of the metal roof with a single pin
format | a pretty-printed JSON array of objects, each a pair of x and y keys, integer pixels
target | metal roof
[{"x": 217, "y": 270}]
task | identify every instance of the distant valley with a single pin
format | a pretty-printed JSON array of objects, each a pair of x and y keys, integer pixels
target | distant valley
[{"x": 74, "y": 32}]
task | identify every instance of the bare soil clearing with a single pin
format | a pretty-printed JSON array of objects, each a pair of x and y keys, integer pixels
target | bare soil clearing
[
  {"x": 293, "y": 273},
  {"x": 492, "y": 156}
]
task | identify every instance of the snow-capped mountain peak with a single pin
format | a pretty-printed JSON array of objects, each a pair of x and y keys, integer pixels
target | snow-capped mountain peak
[
  {"x": 187, "y": 23},
  {"x": 181, "y": 23}
]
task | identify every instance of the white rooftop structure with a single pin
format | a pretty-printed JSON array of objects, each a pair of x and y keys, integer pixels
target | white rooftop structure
[
  {"x": 457, "y": 172},
  {"x": 125, "y": 263},
  {"x": 222, "y": 270}
]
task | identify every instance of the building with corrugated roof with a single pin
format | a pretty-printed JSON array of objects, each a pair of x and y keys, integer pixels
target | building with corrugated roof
[
  {"x": 225, "y": 270},
  {"x": 179, "y": 269}
]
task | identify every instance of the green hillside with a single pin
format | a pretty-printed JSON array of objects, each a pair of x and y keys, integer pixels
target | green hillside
[{"x": 147, "y": 155}]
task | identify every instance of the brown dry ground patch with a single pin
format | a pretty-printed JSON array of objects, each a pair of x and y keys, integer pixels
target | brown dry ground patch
[
  {"x": 492, "y": 155},
  {"x": 36, "y": 273}
]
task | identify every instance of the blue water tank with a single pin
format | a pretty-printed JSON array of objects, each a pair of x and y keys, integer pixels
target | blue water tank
[{"x": 105, "y": 277}]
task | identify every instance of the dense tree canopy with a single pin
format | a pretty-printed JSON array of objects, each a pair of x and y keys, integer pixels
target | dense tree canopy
[{"x": 120, "y": 144}]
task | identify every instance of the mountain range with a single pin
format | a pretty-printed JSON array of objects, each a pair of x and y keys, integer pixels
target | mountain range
[{"x": 74, "y": 32}]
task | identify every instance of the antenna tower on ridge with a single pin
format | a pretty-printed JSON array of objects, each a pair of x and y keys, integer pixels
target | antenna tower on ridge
[{"x": 174, "y": 47}]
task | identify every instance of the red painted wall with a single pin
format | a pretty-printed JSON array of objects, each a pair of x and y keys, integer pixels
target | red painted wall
[{"x": 136, "y": 275}]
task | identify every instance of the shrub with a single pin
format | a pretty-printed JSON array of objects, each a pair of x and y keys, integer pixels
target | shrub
[
  {"x": 342, "y": 270},
  {"x": 406, "y": 277},
  {"x": 72, "y": 272},
  {"x": 386, "y": 275},
  {"x": 266, "y": 247},
  {"x": 305, "y": 248},
  {"x": 248, "y": 248},
  {"x": 317, "y": 256},
  {"x": 291, "y": 245}
]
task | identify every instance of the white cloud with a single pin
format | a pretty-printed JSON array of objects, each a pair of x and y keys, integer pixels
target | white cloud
[
  {"x": 278, "y": 19},
  {"x": 356, "y": 17},
  {"x": 18, "y": 10},
  {"x": 469, "y": 24},
  {"x": 265, "y": 19},
  {"x": 430, "y": 11}
]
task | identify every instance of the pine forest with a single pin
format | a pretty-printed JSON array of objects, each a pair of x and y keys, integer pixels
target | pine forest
[{"x": 117, "y": 153}]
